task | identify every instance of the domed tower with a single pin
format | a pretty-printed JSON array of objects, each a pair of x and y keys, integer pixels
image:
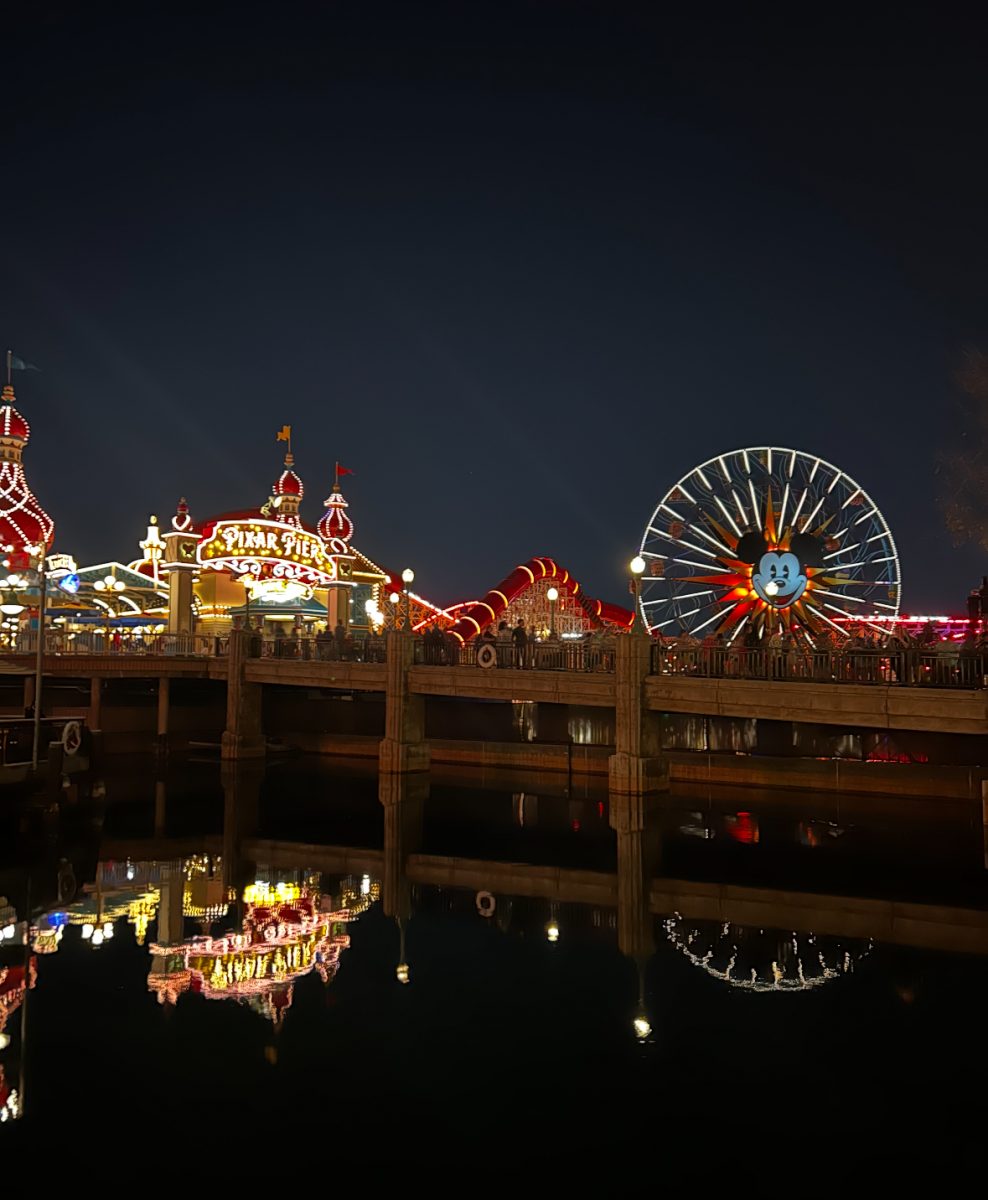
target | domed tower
[
  {"x": 23, "y": 522},
  {"x": 288, "y": 493},
  {"x": 335, "y": 521}
]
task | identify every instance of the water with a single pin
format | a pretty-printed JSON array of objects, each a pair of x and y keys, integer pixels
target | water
[{"x": 787, "y": 1014}]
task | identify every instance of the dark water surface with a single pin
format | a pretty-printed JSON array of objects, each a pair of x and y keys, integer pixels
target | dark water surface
[{"x": 759, "y": 1041}]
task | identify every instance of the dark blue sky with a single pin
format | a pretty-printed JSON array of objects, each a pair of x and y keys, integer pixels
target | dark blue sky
[{"x": 519, "y": 266}]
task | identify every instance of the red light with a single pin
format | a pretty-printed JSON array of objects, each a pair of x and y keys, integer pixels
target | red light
[{"x": 576, "y": 826}]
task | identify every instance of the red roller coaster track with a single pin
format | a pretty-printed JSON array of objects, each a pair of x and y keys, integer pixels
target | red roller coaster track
[{"x": 482, "y": 613}]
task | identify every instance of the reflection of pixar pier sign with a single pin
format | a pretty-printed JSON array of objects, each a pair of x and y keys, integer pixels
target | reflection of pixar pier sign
[{"x": 239, "y": 546}]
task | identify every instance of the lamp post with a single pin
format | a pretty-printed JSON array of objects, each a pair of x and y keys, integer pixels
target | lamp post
[
  {"x": 39, "y": 655},
  {"x": 552, "y": 595},
  {"x": 394, "y": 600},
  {"x": 637, "y": 569},
  {"x": 407, "y": 578}
]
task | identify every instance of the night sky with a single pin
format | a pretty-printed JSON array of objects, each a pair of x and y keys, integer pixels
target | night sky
[{"x": 519, "y": 266}]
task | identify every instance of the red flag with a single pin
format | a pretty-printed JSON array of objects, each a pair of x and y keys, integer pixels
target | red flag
[{"x": 343, "y": 470}]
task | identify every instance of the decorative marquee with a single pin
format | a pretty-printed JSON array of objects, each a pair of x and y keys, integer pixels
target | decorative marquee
[{"x": 271, "y": 550}]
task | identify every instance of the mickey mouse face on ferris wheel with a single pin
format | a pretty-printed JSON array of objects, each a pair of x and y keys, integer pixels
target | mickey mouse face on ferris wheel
[{"x": 780, "y": 577}]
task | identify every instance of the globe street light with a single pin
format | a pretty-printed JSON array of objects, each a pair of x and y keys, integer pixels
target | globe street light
[
  {"x": 407, "y": 577},
  {"x": 637, "y": 569},
  {"x": 552, "y": 595}
]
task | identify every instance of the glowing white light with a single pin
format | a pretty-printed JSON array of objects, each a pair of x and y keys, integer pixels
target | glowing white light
[
  {"x": 552, "y": 595},
  {"x": 97, "y": 937},
  {"x": 642, "y": 1028},
  {"x": 408, "y": 575},
  {"x": 365, "y": 886},
  {"x": 87, "y": 931},
  {"x": 637, "y": 565},
  {"x": 552, "y": 931},
  {"x": 771, "y": 588},
  {"x": 395, "y": 597},
  {"x": 4, "y": 1041},
  {"x": 9, "y": 931}
]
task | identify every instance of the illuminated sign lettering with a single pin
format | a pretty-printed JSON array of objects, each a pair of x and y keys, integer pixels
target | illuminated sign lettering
[{"x": 271, "y": 550}]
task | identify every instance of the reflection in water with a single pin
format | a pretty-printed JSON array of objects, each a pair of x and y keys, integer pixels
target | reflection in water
[
  {"x": 290, "y": 928},
  {"x": 764, "y": 960},
  {"x": 14, "y": 983},
  {"x": 133, "y": 891}
]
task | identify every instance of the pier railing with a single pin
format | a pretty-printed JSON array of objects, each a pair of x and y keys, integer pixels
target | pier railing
[
  {"x": 910, "y": 668},
  {"x": 561, "y": 655},
  {"x": 944, "y": 666}
]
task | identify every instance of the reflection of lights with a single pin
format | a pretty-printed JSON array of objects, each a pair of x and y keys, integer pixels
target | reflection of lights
[
  {"x": 402, "y": 973},
  {"x": 97, "y": 938},
  {"x": 9, "y": 931},
  {"x": 552, "y": 931},
  {"x": 87, "y": 931},
  {"x": 130, "y": 871},
  {"x": 108, "y": 929},
  {"x": 642, "y": 1028},
  {"x": 4, "y": 1041},
  {"x": 764, "y": 960},
  {"x": 365, "y": 886}
]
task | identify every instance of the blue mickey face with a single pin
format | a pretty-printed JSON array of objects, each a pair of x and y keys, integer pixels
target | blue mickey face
[{"x": 779, "y": 579}]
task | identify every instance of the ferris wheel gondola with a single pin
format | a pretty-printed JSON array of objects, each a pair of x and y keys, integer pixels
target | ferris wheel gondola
[{"x": 768, "y": 538}]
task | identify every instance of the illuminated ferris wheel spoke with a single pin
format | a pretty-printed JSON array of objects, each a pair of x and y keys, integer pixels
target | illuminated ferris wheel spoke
[
  {"x": 866, "y": 516},
  {"x": 730, "y": 519},
  {"x": 710, "y": 620},
  {"x": 703, "y": 479},
  {"x": 792, "y": 463},
  {"x": 850, "y": 500},
  {"x": 747, "y": 464},
  {"x": 741, "y": 510},
  {"x": 755, "y": 506},
  {"x": 712, "y": 540},
  {"x": 723, "y": 467},
  {"x": 799, "y": 509},
  {"x": 835, "y": 481},
  {"x": 808, "y": 523},
  {"x": 782, "y": 510},
  {"x": 698, "y": 549},
  {"x": 768, "y": 460},
  {"x": 842, "y": 550}
]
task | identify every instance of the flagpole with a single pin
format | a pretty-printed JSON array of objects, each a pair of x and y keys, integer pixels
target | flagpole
[
  {"x": 336, "y": 477},
  {"x": 10, "y": 365}
]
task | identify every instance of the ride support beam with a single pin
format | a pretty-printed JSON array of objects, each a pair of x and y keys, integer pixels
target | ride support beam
[{"x": 403, "y": 747}]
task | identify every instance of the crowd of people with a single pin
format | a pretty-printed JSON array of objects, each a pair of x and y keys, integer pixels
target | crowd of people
[{"x": 863, "y": 655}]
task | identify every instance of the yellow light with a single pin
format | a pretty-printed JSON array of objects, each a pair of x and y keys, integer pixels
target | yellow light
[
  {"x": 402, "y": 973},
  {"x": 642, "y": 1028},
  {"x": 552, "y": 931}
]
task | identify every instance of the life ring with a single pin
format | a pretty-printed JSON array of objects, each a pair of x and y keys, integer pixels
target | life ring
[
  {"x": 486, "y": 904},
  {"x": 486, "y": 656},
  {"x": 71, "y": 737}
]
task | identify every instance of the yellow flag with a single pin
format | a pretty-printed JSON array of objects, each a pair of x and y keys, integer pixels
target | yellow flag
[{"x": 284, "y": 434}]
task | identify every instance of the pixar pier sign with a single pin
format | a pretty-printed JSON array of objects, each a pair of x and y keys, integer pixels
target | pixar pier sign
[{"x": 271, "y": 550}]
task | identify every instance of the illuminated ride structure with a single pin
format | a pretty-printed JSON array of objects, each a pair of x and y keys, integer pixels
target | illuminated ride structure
[
  {"x": 14, "y": 983},
  {"x": 764, "y": 960},
  {"x": 287, "y": 932},
  {"x": 768, "y": 538}
]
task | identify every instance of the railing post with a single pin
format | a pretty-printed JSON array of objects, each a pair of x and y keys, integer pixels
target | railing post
[
  {"x": 403, "y": 747},
  {"x": 243, "y": 737},
  {"x": 637, "y": 766}
]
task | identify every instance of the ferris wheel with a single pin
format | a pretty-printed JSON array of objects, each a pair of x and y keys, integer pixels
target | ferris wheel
[{"x": 764, "y": 538}]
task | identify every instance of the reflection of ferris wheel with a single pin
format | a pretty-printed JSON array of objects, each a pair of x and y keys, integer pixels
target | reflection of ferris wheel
[
  {"x": 767, "y": 537},
  {"x": 764, "y": 960}
]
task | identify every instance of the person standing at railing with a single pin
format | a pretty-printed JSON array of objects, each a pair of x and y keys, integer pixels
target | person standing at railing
[
  {"x": 323, "y": 641},
  {"x": 519, "y": 640},
  {"x": 339, "y": 637}
]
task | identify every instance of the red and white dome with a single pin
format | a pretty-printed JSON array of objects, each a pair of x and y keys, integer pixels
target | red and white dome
[
  {"x": 23, "y": 522},
  {"x": 335, "y": 521},
  {"x": 288, "y": 483}
]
